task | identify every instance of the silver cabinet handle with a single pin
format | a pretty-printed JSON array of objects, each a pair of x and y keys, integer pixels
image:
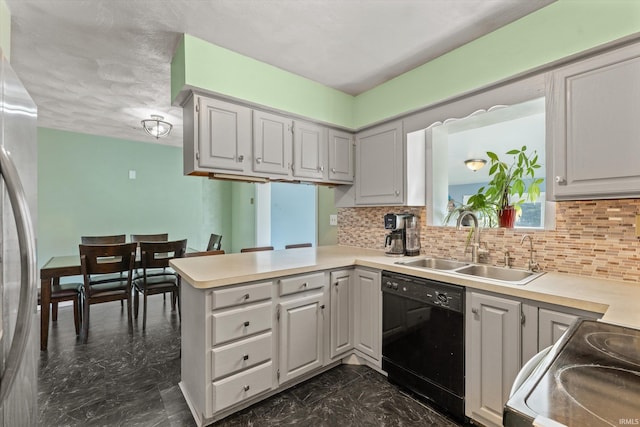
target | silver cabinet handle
[
  {"x": 474, "y": 311},
  {"x": 245, "y": 357},
  {"x": 246, "y": 324},
  {"x": 258, "y": 159},
  {"x": 305, "y": 284},
  {"x": 241, "y": 158},
  {"x": 397, "y": 193},
  {"x": 246, "y": 296},
  {"x": 333, "y": 170},
  {"x": 246, "y": 388},
  {"x": 26, "y": 242},
  {"x": 561, "y": 180}
]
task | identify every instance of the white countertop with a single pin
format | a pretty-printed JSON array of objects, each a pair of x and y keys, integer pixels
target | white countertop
[{"x": 618, "y": 301}]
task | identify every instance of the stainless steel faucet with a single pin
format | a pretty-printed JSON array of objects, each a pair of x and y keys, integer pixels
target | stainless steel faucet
[
  {"x": 475, "y": 246},
  {"x": 533, "y": 266}
]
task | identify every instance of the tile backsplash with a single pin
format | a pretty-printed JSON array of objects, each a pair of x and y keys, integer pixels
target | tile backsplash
[{"x": 592, "y": 238}]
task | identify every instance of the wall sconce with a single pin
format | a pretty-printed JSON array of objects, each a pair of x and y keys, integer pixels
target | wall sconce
[
  {"x": 475, "y": 164},
  {"x": 156, "y": 126}
]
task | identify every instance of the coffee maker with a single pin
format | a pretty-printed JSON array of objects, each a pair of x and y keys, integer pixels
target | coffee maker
[{"x": 395, "y": 243}]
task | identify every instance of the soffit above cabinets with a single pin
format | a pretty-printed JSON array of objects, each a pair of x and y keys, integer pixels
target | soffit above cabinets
[{"x": 100, "y": 66}]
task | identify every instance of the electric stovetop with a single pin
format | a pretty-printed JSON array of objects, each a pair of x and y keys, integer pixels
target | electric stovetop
[{"x": 590, "y": 378}]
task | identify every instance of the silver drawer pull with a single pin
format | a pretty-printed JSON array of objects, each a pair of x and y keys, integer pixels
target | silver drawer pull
[
  {"x": 240, "y": 158},
  {"x": 474, "y": 311},
  {"x": 245, "y": 357},
  {"x": 258, "y": 160},
  {"x": 246, "y": 388},
  {"x": 305, "y": 284},
  {"x": 246, "y": 296},
  {"x": 246, "y": 323}
]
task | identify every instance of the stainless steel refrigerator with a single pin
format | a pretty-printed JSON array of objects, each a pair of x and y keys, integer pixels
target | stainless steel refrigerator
[{"x": 18, "y": 282}]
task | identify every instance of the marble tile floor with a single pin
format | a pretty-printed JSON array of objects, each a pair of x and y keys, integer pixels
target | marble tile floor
[{"x": 118, "y": 379}]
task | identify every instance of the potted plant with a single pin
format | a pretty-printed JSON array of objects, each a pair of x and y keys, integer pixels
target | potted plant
[{"x": 508, "y": 184}]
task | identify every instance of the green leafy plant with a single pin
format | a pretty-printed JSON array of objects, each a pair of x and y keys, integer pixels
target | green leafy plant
[{"x": 509, "y": 181}]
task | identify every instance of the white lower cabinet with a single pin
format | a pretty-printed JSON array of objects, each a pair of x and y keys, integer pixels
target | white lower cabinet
[
  {"x": 492, "y": 355},
  {"x": 342, "y": 302},
  {"x": 301, "y": 326},
  {"x": 368, "y": 313}
]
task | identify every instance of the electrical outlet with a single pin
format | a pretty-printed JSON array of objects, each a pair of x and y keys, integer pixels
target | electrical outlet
[{"x": 333, "y": 219}]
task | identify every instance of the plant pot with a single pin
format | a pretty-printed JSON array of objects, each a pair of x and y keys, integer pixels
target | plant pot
[{"x": 507, "y": 217}]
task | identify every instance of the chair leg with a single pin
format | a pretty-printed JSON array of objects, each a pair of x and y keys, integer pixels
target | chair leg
[
  {"x": 136, "y": 303},
  {"x": 85, "y": 321},
  {"x": 144, "y": 313},
  {"x": 54, "y": 311},
  {"x": 76, "y": 315},
  {"x": 177, "y": 295},
  {"x": 173, "y": 301},
  {"x": 129, "y": 316}
]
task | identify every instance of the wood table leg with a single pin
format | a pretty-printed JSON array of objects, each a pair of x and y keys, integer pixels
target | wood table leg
[{"x": 45, "y": 304}]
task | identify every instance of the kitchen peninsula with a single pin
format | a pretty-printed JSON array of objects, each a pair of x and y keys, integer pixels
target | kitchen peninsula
[{"x": 254, "y": 324}]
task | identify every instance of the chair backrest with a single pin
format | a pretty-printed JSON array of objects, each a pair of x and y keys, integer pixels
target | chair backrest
[
  {"x": 203, "y": 253},
  {"x": 257, "y": 249},
  {"x": 215, "y": 242},
  {"x": 158, "y": 254},
  {"x": 103, "y": 240},
  {"x": 106, "y": 259},
  {"x": 150, "y": 237},
  {"x": 298, "y": 245}
]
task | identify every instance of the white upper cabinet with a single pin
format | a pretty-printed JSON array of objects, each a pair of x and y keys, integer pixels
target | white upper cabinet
[
  {"x": 309, "y": 150},
  {"x": 341, "y": 153},
  {"x": 221, "y": 135},
  {"x": 272, "y": 141},
  {"x": 593, "y": 124},
  {"x": 379, "y": 165}
]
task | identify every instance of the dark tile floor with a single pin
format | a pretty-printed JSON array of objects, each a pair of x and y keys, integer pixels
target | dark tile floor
[{"x": 119, "y": 379}]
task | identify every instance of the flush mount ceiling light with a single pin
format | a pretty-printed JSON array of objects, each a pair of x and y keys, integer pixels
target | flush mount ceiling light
[
  {"x": 475, "y": 164},
  {"x": 156, "y": 126}
]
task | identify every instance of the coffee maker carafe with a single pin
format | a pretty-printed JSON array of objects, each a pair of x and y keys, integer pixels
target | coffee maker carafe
[{"x": 394, "y": 243}]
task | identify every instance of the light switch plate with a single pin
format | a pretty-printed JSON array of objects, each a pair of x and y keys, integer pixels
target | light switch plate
[
  {"x": 333, "y": 219},
  {"x": 132, "y": 174}
]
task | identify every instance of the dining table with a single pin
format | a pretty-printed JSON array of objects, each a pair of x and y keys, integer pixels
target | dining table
[{"x": 50, "y": 274}]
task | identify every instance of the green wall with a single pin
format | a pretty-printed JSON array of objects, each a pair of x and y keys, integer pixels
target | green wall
[
  {"x": 556, "y": 31},
  {"x": 204, "y": 65},
  {"x": 84, "y": 189},
  {"x": 553, "y": 32}
]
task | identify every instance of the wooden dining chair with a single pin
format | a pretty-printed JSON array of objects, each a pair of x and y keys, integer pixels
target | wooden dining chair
[
  {"x": 65, "y": 292},
  {"x": 203, "y": 253},
  {"x": 103, "y": 240},
  {"x": 298, "y": 245},
  {"x": 215, "y": 242},
  {"x": 154, "y": 256},
  {"x": 116, "y": 260},
  {"x": 257, "y": 249}
]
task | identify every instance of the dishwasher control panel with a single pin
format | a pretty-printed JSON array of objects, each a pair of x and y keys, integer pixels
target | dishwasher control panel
[{"x": 427, "y": 291}]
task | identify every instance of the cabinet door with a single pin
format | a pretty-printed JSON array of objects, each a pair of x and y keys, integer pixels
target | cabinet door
[
  {"x": 492, "y": 355},
  {"x": 341, "y": 312},
  {"x": 368, "y": 309},
  {"x": 301, "y": 329},
  {"x": 551, "y": 326},
  {"x": 272, "y": 140},
  {"x": 224, "y": 135},
  {"x": 340, "y": 156},
  {"x": 594, "y": 126},
  {"x": 309, "y": 150},
  {"x": 379, "y": 165}
]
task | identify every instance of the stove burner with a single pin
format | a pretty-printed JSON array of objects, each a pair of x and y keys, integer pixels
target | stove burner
[
  {"x": 585, "y": 384},
  {"x": 623, "y": 347}
]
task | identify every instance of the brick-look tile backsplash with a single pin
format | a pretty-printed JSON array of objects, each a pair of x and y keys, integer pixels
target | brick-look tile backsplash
[{"x": 592, "y": 238}]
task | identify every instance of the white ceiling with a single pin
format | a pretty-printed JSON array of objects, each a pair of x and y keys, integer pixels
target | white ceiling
[{"x": 100, "y": 66}]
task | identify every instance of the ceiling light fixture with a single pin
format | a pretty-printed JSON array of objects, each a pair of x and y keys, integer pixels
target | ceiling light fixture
[
  {"x": 475, "y": 164},
  {"x": 156, "y": 126}
]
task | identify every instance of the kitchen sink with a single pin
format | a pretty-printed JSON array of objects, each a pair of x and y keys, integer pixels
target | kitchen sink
[
  {"x": 510, "y": 275},
  {"x": 434, "y": 263},
  {"x": 513, "y": 276}
]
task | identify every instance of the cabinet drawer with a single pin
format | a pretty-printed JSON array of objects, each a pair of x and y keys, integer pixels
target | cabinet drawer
[
  {"x": 241, "y": 355},
  {"x": 240, "y": 322},
  {"x": 242, "y": 386},
  {"x": 295, "y": 284},
  {"x": 236, "y": 295}
]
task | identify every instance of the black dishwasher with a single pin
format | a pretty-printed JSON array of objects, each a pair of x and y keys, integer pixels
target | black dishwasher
[{"x": 423, "y": 339}]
